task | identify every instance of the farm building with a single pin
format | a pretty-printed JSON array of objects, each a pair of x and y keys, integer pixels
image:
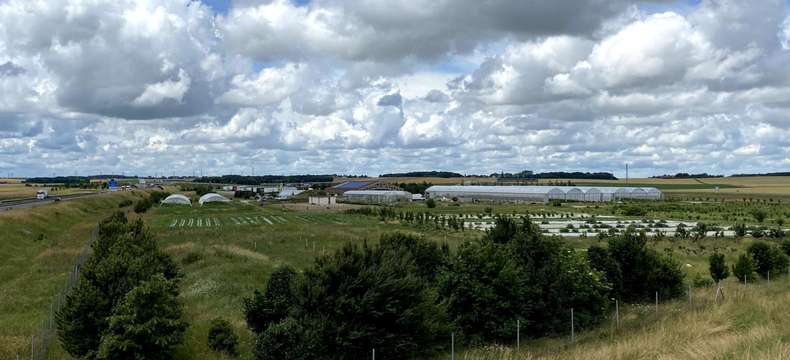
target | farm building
[
  {"x": 376, "y": 196},
  {"x": 342, "y": 188},
  {"x": 541, "y": 193},
  {"x": 212, "y": 197},
  {"x": 322, "y": 200},
  {"x": 177, "y": 199}
]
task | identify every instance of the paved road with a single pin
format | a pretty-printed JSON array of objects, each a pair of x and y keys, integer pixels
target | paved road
[{"x": 30, "y": 203}]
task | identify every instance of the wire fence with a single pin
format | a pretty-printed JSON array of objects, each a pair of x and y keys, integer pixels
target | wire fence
[{"x": 43, "y": 337}]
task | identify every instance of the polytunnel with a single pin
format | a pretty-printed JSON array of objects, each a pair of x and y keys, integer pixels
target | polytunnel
[
  {"x": 212, "y": 197},
  {"x": 177, "y": 199}
]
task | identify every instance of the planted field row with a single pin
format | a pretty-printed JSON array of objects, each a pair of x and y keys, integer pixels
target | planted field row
[{"x": 238, "y": 220}]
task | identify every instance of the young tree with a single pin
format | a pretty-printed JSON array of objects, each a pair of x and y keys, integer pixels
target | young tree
[
  {"x": 758, "y": 214},
  {"x": 644, "y": 270},
  {"x": 718, "y": 267},
  {"x": 483, "y": 292},
  {"x": 267, "y": 308},
  {"x": 222, "y": 338},
  {"x": 767, "y": 258},
  {"x": 361, "y": 298},
  {"x": 147, "y": 323},
  {"x": 430, "y": 203},
  {"x": 743, "y": 268},
  {"x": 124, "y": 256}
]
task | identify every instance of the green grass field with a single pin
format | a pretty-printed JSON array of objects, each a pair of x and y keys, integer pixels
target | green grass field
[{"x": 228, "y": 250}]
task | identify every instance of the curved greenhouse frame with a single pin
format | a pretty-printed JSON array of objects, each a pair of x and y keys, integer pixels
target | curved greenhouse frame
[
  {"x": 176, "y": 199},
  {"x": 212, "y": 197}
]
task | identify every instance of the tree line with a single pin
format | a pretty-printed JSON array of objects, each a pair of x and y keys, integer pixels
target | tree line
[{"x": 404, "y": 295}]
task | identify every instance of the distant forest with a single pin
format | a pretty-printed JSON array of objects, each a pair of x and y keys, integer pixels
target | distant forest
[
  {"x": 256, "y": 180},
  {"x": 556, "y": 175},
  {"x": 785, "y": 173},
  {"x": 686, "y": 176},
  {"x": 439, "y": 174}
]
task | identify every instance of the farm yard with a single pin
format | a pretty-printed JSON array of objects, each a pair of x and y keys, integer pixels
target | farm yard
[{"x": 227, "y": 250}]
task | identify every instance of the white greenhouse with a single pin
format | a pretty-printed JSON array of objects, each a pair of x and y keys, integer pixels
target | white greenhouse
[
  {"x": 212, "y": 197},
  {"x": 376, "y": 196},
  {"x": 541, "y": 193},
  {"x": 176, "y": 199}
]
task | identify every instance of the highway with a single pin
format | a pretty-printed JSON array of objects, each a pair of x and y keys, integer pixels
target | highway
[{"x": 33, "y": 202}]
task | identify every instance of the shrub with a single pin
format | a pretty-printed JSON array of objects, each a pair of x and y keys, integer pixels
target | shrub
[
  {"x": 633, "y": 210},
  {"x": 483, "y": 292},
  {"x": 786, "y": 246},
  {"x": 644, "y": 271},
  {"x": 718, "y": 267},
  {"x": 743, "y": 268},
  {"x": 366, "y": 297},
  {"x": 267, "y": 308},
  {"x": 125, "y": 298},
  {"x": 142, "y": 205},
  {"x": 124, "y": 203},
  {"x": 740, "y": 230},
  {"x": 222, "y": 338},
  {"x": 758, "y": 214},
  {"x": 601, "y": 260},
  {"x": 283, "y": 340},
  {"x": 767, "y": 258},
  {"x": 488, "y": 281},
  {"x": 147, "y": 324},
  {"x": 699, "y": 281},
  {"x": 430, "y": 203}
]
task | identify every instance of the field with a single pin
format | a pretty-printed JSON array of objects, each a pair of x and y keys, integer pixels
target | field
[
  {"x": 228, "y": 250},
  {"x": 9, "y": 191},
  {"x": 38, "y": 248},
  {"x": 728, "y": 187}
]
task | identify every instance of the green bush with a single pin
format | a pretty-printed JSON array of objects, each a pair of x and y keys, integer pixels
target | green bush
[
  {"x": 744, "y": 268},
  {"x": 718, "y": 267},
  {"x": 124, "y": 203},
  {"x": 489, "y": 280},
  {"x": 644, "y": 271},
  {"x": 125, "y": 299},
  {"x": 270, "y": 307},
  {"x": 147, "y": 323},
  {"x": 483, "y": 292},
  {"x": 285, "y": 340},
  {"x": 430, "y": 203},
  {"x": 767, "y": 258},
  {"x": 786, "y": 246},
  {"x": 222, "y": 338}
]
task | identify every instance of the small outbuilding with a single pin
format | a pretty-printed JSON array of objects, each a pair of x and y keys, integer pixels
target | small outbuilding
[{"x": 176, "y": 199}]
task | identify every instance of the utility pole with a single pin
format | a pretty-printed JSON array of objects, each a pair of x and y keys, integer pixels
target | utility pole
[{"x": 626, "y": 173}]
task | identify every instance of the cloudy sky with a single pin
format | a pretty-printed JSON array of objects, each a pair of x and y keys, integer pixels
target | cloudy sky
[{"x": 330, "y": 86}]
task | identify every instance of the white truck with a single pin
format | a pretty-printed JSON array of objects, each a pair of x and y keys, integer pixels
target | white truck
[{"x": 42, "y": 194}]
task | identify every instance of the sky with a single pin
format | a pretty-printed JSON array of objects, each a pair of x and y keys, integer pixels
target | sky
[{"x": 178, "y": 87}]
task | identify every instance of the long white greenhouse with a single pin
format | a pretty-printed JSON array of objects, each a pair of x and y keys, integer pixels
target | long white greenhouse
[
  {"x": 541, "y": 193},
  {"x": 177, "y": 199},
  {"x": 376, "y": 196},
  {"x": 212, "y": 197}
]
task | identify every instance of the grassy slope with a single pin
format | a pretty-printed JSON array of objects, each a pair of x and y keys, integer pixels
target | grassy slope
[
  {"x": 752, "y": 323},
  {"x": 233, "y": 260},
  {"x": 32, "y": 271}
]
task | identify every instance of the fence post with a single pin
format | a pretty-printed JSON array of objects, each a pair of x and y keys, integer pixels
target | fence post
[
  {"x": 573, "y": 335},
  {"x": 689, "y": 294},
  {"x": 32, "y": 346},
  {"x": 656, "y": 302},
  {"x": 769, "y": 276},
  {"x": 617, "y": 313},
  {"x": 374, "y": 353},
  {"x": 518, "y": 334},
  {"x": 452, "y": 346}
]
